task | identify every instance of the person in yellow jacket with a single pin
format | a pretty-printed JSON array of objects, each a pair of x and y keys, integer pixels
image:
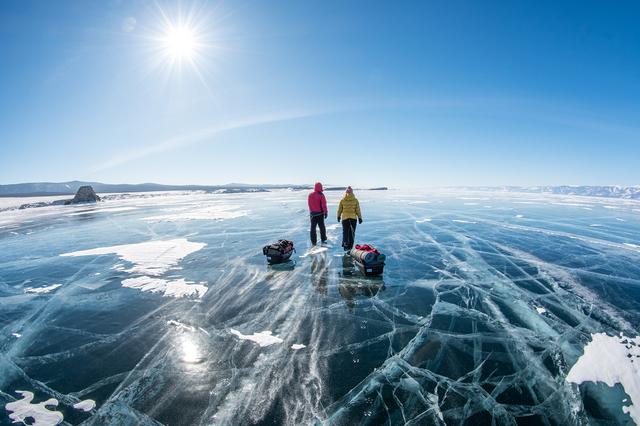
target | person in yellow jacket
[{"x": 349, "y": 214}]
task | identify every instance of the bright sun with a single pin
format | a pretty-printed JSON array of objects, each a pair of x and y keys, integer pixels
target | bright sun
[{"x": 180, "y": 43}]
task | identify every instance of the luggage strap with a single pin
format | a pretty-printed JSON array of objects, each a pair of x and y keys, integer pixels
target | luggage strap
[{"x": 367, "y": 248}]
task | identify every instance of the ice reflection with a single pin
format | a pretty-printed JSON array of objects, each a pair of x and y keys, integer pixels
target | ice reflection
[
  {"x": 286, "y": 266},
  {"x": 190, "y": 351},
  {"x": 320, "y": 272},
  {"x": 352, "y": 284}
]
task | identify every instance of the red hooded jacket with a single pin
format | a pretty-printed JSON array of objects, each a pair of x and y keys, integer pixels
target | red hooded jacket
[{"x": 317, "y": 201}]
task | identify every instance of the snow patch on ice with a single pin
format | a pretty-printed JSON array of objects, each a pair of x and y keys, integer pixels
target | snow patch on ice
[
  {"x": 433, "y": 399},
  {"x": 149, "y": 258},
  {"x": 424, "y": 283},
  {"x": 297, "y": 346},
  {"x": 572, "y": 204},
  {"x": 118, "y": 209},
  {"x": 314, "y": 250},
  {"x": 86, "y": 405},
  {"x": 420, "y": 202},
  {"x": 519, "y": 216},
  {"x": 595, "y": 225},
  {"x": 610, "y": 359},
  {"x": 463, "y": 221},
  {"x": 16, "y": 335},
  {"x": 541, "y": 310},
  {"x": 169, "y": 288},
  {"x": 23, "y": 409},
  {"x": 180, "y": 326},
  {"x": 262, "y": 338},
  {"x": 106, "y": 210},
  {"x": 424, "y": 219},
  {"x": 220, "y": 212},
  {"x": 42, "y": 290}
]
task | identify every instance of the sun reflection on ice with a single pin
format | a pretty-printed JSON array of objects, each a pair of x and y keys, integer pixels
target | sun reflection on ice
[{"x": 190, "y": 352}]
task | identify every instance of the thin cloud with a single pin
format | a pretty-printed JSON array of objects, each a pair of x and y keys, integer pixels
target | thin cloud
[
  {"x": 206, "y": 134},
  {"x": 203, "y": 135},
  {"x": 507, "y": 107}
]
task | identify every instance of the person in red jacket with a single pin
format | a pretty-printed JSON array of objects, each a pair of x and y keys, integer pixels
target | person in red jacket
[{"x": 318, "y": 212}]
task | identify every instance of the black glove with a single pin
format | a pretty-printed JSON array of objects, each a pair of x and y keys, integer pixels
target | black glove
[
  {"x": 326, "y": 215},
  {"x": 360, "y": 220},
  {"x": 338, "y": 220}
]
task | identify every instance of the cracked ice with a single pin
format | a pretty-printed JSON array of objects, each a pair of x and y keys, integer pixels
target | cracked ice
[{"x": 505, "y": 311}]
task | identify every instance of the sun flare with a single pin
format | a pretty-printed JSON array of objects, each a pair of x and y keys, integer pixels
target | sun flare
[{"x": 180, "y": 43}]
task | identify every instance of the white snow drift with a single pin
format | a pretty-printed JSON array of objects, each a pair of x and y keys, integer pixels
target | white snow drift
[
  {"x": 218, "y": 212},
  {"x": 610, "y": 359},
  {"x": 262, "y": 338},
  {"x": 86, "y": 405},
  {"x": 149, "y": 258},
  {"x": 41, "y": 290},
  {"x": 171, "y": 288},
  {"x": 23, "y": 408},
  {"x": 152, "y": 259}
]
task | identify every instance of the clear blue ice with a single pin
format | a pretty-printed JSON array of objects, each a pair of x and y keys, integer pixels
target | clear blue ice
[{"x": 486, "y": 303}]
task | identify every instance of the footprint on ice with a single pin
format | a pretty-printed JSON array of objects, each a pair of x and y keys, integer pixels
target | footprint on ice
[{"x": 38, "y": 414}]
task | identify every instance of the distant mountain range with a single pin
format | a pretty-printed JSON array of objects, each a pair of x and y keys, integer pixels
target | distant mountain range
[
  {"x": 626, "y": 192},
  {"x": 70, "y": 188}
]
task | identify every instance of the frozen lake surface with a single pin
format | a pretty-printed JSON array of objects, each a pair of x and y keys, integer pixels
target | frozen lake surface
[{"x": 504, "y": 308}]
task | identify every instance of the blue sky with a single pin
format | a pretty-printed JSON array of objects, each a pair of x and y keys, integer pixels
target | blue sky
[{"x": 364, "y": 93}]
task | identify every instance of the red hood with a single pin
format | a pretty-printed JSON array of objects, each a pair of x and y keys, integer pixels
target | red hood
[{"x": 318, "y": 187}]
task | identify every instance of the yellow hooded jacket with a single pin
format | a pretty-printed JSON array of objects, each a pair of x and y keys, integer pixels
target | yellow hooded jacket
[{"x": 349, "y": 207}]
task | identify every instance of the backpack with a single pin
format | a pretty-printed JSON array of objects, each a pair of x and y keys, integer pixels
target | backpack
[{"x": 279, "y": 251}]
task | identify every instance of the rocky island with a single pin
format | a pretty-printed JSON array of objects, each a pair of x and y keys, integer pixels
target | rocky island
[{"x": 85, "y": 194}]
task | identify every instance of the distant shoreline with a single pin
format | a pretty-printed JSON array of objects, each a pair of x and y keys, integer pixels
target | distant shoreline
[{"x": 53, "y": 189}]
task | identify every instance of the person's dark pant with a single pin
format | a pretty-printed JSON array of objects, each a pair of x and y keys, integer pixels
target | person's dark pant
[
  {"x": 348, "y": 233},
  {"x": 318, "y": 221}
]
